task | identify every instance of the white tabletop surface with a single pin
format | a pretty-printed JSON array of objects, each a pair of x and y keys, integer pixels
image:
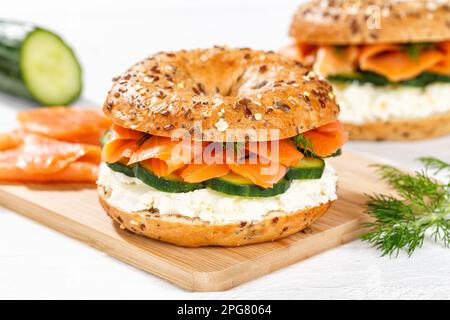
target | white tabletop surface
[{"x": 38, "y": 262}]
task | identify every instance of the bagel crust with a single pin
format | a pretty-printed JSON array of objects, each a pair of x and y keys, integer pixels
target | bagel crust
[
  {"x": 218, "y": 91},
  {"x": 345, "y": 22},
  {"x": 414, "y": 129},
  {"x": 184, "y": 231}
]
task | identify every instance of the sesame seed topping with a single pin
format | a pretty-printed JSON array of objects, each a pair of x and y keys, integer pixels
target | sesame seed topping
[
  {"x": 221, "y": 125},
  {"x": 206, "y": 114},
  {"x": 168, "y": 127},
  {"x": 217, "y": 102}
]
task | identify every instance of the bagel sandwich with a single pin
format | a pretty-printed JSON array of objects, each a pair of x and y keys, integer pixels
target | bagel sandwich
[
  {"x": 219, "y": 146},
  {"x": 389, "y": 63}
]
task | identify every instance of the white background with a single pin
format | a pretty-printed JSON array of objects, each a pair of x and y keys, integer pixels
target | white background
[{"x": 108, "y": 36}]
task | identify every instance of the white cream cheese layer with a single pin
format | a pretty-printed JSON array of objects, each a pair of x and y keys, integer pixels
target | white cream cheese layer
[
  {"x": 131, "y": 195},
  {"x": 366, "y": 103}
]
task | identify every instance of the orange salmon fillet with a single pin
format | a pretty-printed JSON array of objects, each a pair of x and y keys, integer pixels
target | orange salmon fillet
[
  {"x": 41, "y": 159},
  {"x": 327, "y": 139},
  {"x": 389, "y": 60},
  {"x": 80, "y": 125}
]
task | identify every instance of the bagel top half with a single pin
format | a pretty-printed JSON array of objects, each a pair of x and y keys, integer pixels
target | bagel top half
[
  {"x": 214, "y": 90},
  {"x": 345, "y": 22}
]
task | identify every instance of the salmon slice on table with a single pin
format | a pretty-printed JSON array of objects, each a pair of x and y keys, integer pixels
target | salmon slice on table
[
  {"x": 9, "y": 140},
  {"x": 41, "y": 159},
  {"x": 327, "y": 139},
  {"x": 76, "y": 172},
  {"x": 80, "y": 125}
]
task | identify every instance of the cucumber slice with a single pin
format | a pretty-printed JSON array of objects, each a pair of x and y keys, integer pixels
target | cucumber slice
[
  {"x": 37, "y": 64},
  {"x": 362, "y": 77},
  {"x": 337, "y": 153},
  {"x": 167, "y": 184},
  {"x": 234, "y": 184},
  {"x": 307, "y": 168},
  {"x": 122, "y": 168}
]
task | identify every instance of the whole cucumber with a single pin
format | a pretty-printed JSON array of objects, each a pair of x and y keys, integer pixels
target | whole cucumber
[{"x": 37, "y": 64}]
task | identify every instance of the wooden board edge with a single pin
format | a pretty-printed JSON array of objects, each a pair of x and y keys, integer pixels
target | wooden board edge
[
  {"x": 226, "y": 279},
  {"x": 221, "y": 280},
  {"x": 89, "y": 236}
]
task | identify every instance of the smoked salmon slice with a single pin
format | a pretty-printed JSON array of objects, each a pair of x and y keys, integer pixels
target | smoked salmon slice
[
  {"x": 395, "y": 64},
  {"x": 304, "y": 53},
  {"x": 163, "y": 168},
  {"x": 194, "y": 173},
  {"x": 164, "y": 154},
  {"x": 389, "y": 60},
  {"x": 119, "y": 132},
  {"x": 118, "y": 149},
  {"x": 76, "y": 172},
  {"x": 9, "y": 140},
  {"x": 327, "y": 139},
  {"x": 285, "y": 153},
  {"x": 443, "y": 67},
  {"x": 369, "y": 51},
  {"x": 262, "y": 173},
  {"x": 41, "y": 159},
  {"x": 331, "y": 60},
  {"x": 162, "y": 148},
  {"x": 121, "y": 144},
  {"x": 78, "y": 125}
]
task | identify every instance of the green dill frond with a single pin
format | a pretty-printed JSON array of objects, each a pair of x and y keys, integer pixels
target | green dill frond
[
  {"x": 421, "y": 204},
  {"x": 304, "y": 145},
  {"x": 413, "y": 50},
  {"x": 417, "y": 187},
  {"x": 437, "y": 165}
]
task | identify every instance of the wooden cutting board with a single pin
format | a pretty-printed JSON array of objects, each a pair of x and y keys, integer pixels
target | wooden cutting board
[{"x": 74, "y": 211}]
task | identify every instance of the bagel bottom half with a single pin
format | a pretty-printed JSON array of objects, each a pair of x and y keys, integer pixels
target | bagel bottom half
[
  {"x": 398, "y": 129},
  {"x": 188, "y": 232}
]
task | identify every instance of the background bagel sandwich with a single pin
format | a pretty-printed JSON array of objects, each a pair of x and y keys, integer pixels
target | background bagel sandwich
[
  {"x": 219, "y": 146},
  {"x": 389, "y": 62}
]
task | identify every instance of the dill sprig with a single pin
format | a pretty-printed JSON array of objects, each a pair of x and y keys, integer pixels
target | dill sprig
[
  {"x": 413, "y": 50},
  {"x": 435, "y": 164},
  {"x": 304, "y": 145},
  {"x": 420, "y": 207}
]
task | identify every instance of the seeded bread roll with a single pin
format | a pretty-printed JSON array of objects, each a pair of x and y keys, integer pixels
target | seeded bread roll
[
  {"x": 345, "y": 22},
  {"x": 211, "y": 91},
  {"x": 398, "y": 129},
  {"x": 185, "y": 231}
]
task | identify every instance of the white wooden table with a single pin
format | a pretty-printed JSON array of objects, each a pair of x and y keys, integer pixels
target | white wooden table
[{"x": 37, "y": 262}]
